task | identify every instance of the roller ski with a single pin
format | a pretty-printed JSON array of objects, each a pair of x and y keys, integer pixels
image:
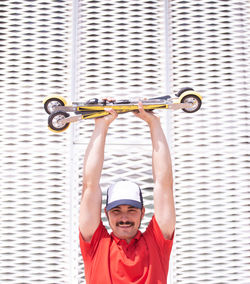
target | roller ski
[{"x": 59, "y": 112}]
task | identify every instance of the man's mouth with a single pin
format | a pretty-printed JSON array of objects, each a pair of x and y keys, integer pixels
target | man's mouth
[{"x": 124, "y": 224}]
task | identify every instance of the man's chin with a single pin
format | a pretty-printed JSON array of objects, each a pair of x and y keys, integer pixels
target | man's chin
[{"x": 124, "y": 233}]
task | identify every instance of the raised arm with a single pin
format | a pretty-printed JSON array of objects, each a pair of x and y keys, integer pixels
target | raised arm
[
  {"x": 90, "y": 206},
  {"x": 162, "y": 173}
]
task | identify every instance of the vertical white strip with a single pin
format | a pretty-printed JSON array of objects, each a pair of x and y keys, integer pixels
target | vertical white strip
[
  {"x": 73, "y": 189},
  {"x": 169, "y": 115}
]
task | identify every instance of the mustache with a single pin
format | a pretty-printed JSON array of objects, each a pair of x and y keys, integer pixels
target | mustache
[{"x": 125, "y": 223}]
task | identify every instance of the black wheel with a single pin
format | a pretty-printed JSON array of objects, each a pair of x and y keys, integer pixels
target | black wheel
[
  {"x": 55, "y": 121},
  {"x": 194, "y": 101},
  {"x": 51, "y": 104},
  {"x": 182, "y": 90}
]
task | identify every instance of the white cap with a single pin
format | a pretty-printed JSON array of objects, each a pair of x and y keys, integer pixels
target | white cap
[{"x": 124, "y": 193}]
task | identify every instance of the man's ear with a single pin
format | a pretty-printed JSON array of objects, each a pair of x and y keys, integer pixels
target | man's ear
[
  {"x": 105, "y": 210},
  {"x": 142, "y": 212}
]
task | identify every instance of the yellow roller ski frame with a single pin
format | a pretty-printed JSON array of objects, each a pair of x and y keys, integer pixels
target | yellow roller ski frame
[{"x": 59, "y": 118}]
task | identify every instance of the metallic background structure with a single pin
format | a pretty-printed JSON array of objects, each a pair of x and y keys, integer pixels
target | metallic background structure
[{"x": 125, "y": 48}]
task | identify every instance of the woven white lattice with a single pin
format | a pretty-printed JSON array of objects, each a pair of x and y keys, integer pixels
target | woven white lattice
[
  {"x": 210, "y": 52},
  {"x": 34, "y": 63},
  {"x": 120, "y": 52}
]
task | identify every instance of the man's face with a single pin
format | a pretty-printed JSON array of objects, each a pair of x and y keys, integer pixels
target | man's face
[{"x": 125, "y": 221}]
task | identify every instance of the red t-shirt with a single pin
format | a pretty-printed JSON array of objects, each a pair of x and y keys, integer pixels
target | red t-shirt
[{"x": 144, "y": 260}]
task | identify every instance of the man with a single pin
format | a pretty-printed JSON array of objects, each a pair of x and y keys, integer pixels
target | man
[{"x": 126, "y": 255}]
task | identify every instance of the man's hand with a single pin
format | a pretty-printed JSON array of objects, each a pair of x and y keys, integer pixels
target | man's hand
[
  {"x": 148, "y": 116},
  {"x": 106, "y": 120}
]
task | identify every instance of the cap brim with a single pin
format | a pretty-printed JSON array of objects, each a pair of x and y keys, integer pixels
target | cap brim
[{"x": 130, "y": 202}]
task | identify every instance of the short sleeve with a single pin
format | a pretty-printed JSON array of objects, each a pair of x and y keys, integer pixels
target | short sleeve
[
  {"x": 88, "y": 249},
  {"x": 154, "y": 233}
]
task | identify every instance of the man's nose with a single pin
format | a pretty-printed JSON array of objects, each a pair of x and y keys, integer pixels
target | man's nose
[{"x": 124, "y": 217}]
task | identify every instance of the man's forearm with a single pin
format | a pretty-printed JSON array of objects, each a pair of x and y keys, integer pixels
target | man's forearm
[
  {"x": 161, "y": 159},
  {"x": 94, "y": 156}
]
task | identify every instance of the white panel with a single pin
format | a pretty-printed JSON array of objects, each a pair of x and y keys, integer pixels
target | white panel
[
  {"x": 121, "y": 53},
  {"x": 210, "y": 52},
  {"x": 34, "y": 62}
]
